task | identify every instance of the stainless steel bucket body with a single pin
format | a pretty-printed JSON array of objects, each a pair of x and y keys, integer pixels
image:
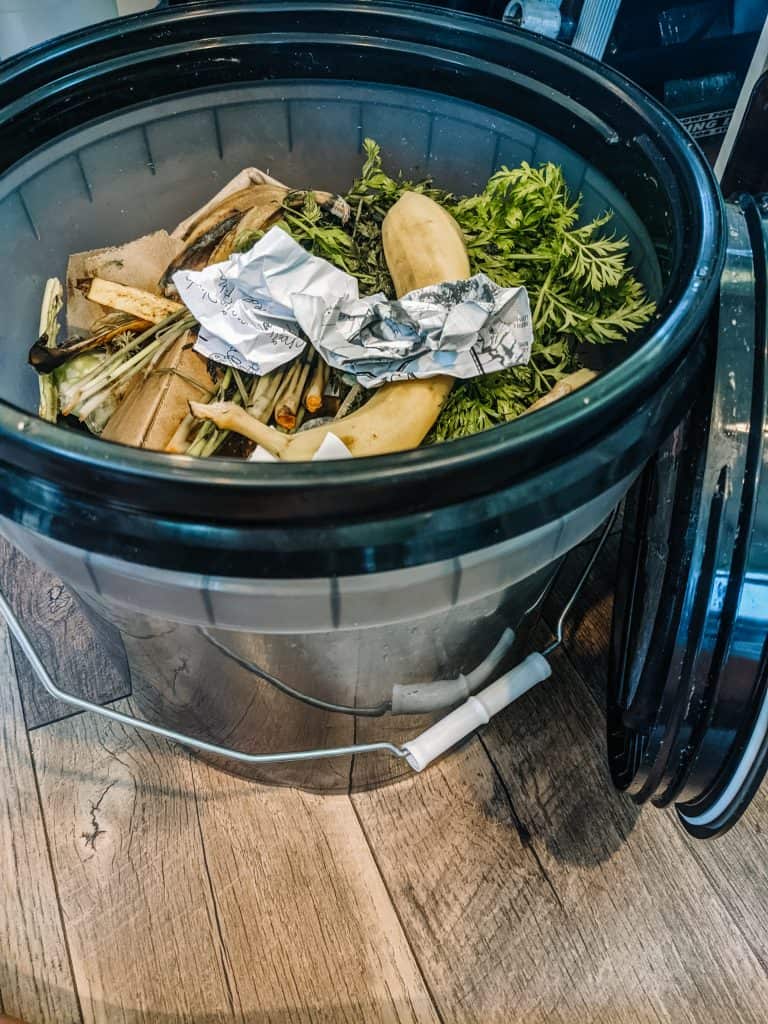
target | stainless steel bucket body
[{"x": 199, "y": 648}]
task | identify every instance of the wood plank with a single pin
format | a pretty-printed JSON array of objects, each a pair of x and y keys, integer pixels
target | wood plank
[
  {"x": 36, "y": 982},
  {"x": 84, "y": 653},
  {"x": 527, "y": 889},
  {"x": 132, "y": 877},
  {"x": 643, "y": 902},
  {"x": 306, "y": 920},
  {"x": 193, "y": 895},
  {"x": 736, "y": 864},
  {"x": 480, "y": 915},
  {"x": 540, "y": 894}
]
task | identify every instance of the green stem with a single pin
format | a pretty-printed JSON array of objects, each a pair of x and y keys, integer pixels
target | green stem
[
  {"x": 122, "y": 366},
  {"x": 90, "y": 398},
  {"x": 215, "y": 438},
  {"x": 540, "y": 298},
  {"x": 201, "y": 437},
  {"x": 262, "y": 407},
  {"x": 351, "y": 397},
  {"x": 357, "y": 217},
  {"x": 533, "y": 257},
  {"x": 215, "y": 442},
  {"x": 240, "y": 386},
  {"x": 205, "y": 441},
  {"x": 119, "y": 357}
]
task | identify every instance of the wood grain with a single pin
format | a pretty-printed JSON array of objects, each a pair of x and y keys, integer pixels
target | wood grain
[
  {"x": 548, "y": 896},
  {"x": 479, "y": 912},
  {"x": 304, "y": 913},
  {"x": 645, "y": 907},
  {"x": 133, "y": 883},
  {"x": 83, "y": 652},
  {"x": 36, "y": 982},
  {"x": 193, "y": 895},
  {"x": 737, "y": 864},
  {"x": 737, "y": 868},
  {"x": 508, "y": 883}
]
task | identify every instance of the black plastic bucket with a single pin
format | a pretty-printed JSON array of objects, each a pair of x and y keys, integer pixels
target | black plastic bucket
[{"x": 108, "y": 134}]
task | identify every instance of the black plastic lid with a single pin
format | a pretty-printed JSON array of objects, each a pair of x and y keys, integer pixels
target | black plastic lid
[{"x": 688, "y": 701}]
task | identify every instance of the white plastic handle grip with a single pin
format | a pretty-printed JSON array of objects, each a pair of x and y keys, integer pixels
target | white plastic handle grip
[{"x": 476, "y": 711}]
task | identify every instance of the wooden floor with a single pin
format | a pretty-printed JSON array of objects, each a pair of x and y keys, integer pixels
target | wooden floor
[{"x": 507, "y": 883}]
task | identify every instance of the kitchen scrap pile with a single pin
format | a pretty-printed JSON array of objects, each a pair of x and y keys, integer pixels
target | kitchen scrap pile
[{"x": 294, "y": 324}]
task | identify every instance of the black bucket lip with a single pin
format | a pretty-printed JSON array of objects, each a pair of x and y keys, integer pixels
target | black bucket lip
[
  {"x": 165, "y": 484},
  {"x": 355, "y": 546}
]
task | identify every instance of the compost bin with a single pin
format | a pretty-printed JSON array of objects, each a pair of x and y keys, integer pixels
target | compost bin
[{"x": 278, "y": 608}]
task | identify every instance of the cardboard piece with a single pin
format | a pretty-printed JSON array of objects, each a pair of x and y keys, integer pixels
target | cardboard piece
[
  {"x": 155, "y": 406},
  {"x": 142, "y": 262},
  {"x": 151, "y": 412}
]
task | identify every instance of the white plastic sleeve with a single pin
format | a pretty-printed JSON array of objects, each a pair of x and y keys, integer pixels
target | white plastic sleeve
[{"x": 476, "y": 711}]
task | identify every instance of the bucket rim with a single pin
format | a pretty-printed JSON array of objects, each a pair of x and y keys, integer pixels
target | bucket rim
[{"x": 72, "y": 460}]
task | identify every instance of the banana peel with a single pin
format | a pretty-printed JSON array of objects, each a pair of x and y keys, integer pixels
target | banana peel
[
  {"x": 244, "y": 179},
  {"x": 204, "y": 237},
  {"x": 258, "y": 218},
  {"x": 212, "y": 236}
]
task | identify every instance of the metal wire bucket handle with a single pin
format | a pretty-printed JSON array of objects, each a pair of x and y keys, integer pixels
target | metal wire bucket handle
[
  {"x": 477, "y": 710},
  {"x": 46, "y": 680}
]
